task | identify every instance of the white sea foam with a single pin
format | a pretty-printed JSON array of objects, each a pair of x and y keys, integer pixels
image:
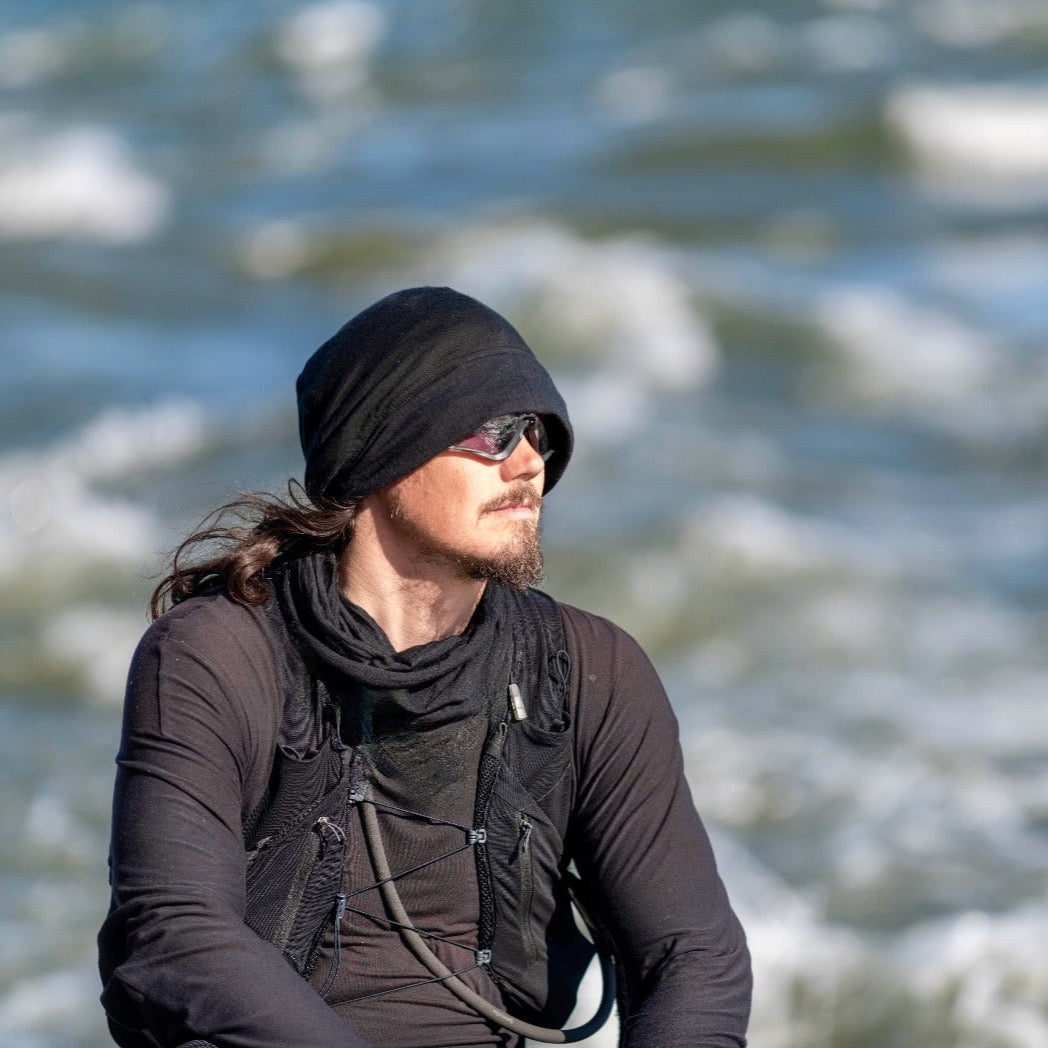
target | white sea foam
[
  {"x": 123, "y": 440},
  {"x": 805, "y": 971},
  {"x": 81, "y": 183},
  {"x": 992, "y": 130},
  {"x": 275, "y": 249},
  {"x": 901, "y": 351},
  {"x": 329, "y": 45},
  {"x": 605, "y": 405},
  {"x": 990, "y": 972},
  {"x": 53, "y": 510},
  {"x": 935, "y": 807},
  {"x": 71, "y": 526},
  {"x": 754, "y": 536},
  {"x": 845, "y": 41},
  {"x": 856, "y": 620},
  {"x": 58, "y": 526},
  {"x": 56, "y": 835},
  {"x": 984, "y": 975},
  {"x": 900, "y": 355}
]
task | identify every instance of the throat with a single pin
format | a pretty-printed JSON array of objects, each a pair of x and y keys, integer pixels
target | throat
[{"x": 411, "y": 612}]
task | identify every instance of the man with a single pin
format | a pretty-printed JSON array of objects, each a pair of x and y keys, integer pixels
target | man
[{"x": 362, "y": 760}]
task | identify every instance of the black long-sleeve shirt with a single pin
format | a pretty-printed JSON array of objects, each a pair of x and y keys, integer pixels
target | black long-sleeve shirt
[{"x": 202, "y": 719}]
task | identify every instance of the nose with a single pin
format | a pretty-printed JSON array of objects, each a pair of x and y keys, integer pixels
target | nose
[{"x": 524, "y": 464}]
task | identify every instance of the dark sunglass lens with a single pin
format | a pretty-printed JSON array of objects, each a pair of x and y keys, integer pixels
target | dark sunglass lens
[
  {"x": 538, "y": 437},
  {"x": 506, "y": 432},
  {"x": 498, "y": 437}
]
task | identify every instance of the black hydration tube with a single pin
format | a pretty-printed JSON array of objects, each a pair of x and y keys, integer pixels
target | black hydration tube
[{"x": 418, "y": 946}]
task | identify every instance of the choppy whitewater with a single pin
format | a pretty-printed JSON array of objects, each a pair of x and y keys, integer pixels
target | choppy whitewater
[{"x": 789, "y": 265}]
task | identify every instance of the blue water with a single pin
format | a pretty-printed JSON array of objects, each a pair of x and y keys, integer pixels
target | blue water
[{"x": 789, "y": 263}]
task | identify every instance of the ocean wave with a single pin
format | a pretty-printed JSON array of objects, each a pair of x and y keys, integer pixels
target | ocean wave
[
  {"x": 49, "y": 495},
  {"x": 973, "y": 977},
  {"x": 81, "y": 183},
  {"x": 329, "y": 45},
  {"x": 900, "y": 350},
  {"x": 995, "y": 130},
  {"x": 65, "y": 46},
  {"x": 851, "y": 42},
  {"x": 66, "y": 540},
  {"x": 987, "y": 972},
  {"x": 980, "y": 979},
  {"x": 97, "y": 640},
  {"x": 909, "y": 794},
  {"x": 842, "y": 41},
  {"x": 1000, "y": 277},
  {"x": 974, "y": 23},
  {"x": 929, "y": 361}
]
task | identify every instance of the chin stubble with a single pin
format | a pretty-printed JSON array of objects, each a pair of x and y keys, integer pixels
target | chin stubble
[{"x": 518, "y": 565}]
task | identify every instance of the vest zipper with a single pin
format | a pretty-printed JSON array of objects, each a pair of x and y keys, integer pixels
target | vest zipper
[
  {"x": 324, "y": 827},
  {"x": 336, "y": 948},
  {"x": 527, "y": 882},
  {"x": 490, "y": 762}
]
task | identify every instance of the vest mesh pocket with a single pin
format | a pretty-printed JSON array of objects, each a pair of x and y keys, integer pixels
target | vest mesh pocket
[{"x": 294, "y": 873}]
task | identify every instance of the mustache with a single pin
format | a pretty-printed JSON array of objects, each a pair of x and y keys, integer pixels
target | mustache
[{"x": 519, "y": 495}]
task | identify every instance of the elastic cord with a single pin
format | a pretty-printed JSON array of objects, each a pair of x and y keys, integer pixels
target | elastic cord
[{"x": 417, "y": 944}]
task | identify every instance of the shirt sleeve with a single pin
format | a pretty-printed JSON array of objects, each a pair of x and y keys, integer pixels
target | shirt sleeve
[
  {"x": 638, "y": 839},
  {"x": 178, "y": 963}
]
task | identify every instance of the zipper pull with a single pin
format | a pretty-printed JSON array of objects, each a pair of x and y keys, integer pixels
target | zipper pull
[
  {"x": 327, "y": 827},
  {"x": 523, "y": 835}
]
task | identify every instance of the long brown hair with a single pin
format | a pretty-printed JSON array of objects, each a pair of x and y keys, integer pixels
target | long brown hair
[{"x": 250, "y": 532}]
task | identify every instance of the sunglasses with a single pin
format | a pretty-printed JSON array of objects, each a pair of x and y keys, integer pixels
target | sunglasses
[{"x": 498, "y": 438}]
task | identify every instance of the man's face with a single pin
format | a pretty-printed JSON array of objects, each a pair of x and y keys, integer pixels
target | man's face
[{"x": 477, "y": 518}]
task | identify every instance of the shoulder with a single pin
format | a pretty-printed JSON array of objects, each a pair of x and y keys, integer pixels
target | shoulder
[
  {"x": 601, "y": 645},
  {"x": 209, "y": 652},
  {"x": 210, "y": 624},
  {"x": 619, "y": 705},
  {"x": 610, "y": 671}
]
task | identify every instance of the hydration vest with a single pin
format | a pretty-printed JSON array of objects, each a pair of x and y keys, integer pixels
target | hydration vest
[{"x": 298, "y": 834}]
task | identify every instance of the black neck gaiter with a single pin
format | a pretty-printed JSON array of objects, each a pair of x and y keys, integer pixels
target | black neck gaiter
[{"x": 383, "y": 692}]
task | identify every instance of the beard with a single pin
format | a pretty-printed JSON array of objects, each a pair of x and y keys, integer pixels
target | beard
[{"x": 518, "y": 564}]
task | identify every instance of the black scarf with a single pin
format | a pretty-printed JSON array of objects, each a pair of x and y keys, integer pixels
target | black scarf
[{"x": 383, "y": 692}]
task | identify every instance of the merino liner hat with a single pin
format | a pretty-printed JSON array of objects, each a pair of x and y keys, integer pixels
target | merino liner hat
[{"x": 408, "y": 377}]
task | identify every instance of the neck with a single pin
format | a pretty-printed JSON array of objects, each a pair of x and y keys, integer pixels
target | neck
[{"x": 414, "y": 601}]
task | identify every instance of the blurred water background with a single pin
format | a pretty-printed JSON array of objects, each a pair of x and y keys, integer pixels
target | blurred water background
[{"x": 788, "y": 260}]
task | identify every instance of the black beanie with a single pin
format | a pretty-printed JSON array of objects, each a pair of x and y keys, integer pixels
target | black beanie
[{"x": 405, "y": 379}]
